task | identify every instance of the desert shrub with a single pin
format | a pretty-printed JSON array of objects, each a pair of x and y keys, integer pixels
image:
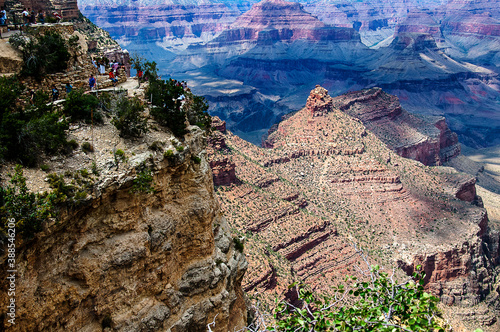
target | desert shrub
[
  {"x": 130, "y": 119},
  {"x": 82, "y": 107},
  {"x": 45, "y": 168},
  {"x": 10, "y": 90},
  {"x": 24, "y": 134},
  {"x": 42, "y": 54},
  {"x": 165, "y": 96},
  {"x": 28, "y": 209},
  {"x": 179, "y": 148},
  {"x": 238, "y": 244},
  {"x": 196, "y": 159},
  {"x": 143, "y": 182},
  {"x": 169, "y": 154},
  {"x": 87, "y": 147},
  {"x": 380, "y": 304}
]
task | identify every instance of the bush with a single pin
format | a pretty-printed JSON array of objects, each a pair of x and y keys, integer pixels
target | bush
[
  {"x": 179, "y": 148},
  {"x": 196, "y": 159},
  {"x": 380, "y": 304},
  {"x": 143, "y": 182},
  {"x": 28, "y": 209},
  {"x": 129, "y": 119},
  {"x": 238, "y": 244},
  {"x": 167, "y": 110},
  {"x": 25, "y": 134},
  {"x": 87, "y": 147},
  {"x": 80, "y": 106},
  {"x": 169, "y": 154},
  {"x": 43, "y": 54},
  {"x": 10, "y": 90},
  {"x": 196, "y": 108}
]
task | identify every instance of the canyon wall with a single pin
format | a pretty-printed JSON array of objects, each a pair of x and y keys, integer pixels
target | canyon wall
[
  {"x": 135, "y": 262},
  {"x": 326, "y": 186}
]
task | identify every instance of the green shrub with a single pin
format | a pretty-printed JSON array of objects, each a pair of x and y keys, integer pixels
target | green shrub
[
  {"x": 238, "y": 244},
  {"x": 380, "y": 304},
  {"x": 196, "y": 159},
  {"x": 72, "y": 144},
  {"x": 25, "y": 134},
  {"x": 179, "y": 148},
  {"x": 196, "y": 108},
  {"x": 82, "y": 107},
  {"x": 45, "y": 168},
  {"x": 130, "y": 119},
  {"x": 28, "y": 209},
  {"x": 42, "y": 54},
  {"x": 10, "y": 90},
  {"x": 94, "y": 169},
  {"x": 169, "y": 154},
  {"x": 167, "y": 111},
  {"x": 87, "y": 147},
  {"x": 120, "y": 155},
  {"x": 143, "y": 182}
]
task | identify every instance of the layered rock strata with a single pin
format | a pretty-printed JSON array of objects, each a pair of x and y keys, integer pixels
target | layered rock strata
[
  {"x": 326, "y": 182},
  {"x": 135, "y": 262},
  {"x": 425, "y": 139}
]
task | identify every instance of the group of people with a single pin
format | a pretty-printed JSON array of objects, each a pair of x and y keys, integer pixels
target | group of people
[
  {"x": 29, "y": 16},
  {"x": 100, "y": 65},
  {"x": 54, "y": 91}
]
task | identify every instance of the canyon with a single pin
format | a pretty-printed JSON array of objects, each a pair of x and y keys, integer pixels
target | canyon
[
  {"x": 325, "y": 186},
  {"x": 256, "y": 62}
]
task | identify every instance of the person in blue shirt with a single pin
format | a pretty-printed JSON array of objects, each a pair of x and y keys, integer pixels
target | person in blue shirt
[
  {"x": 92, "y": 82},
  {"x": 69, "y": 88},
  {"x": 3, "y": 16}
]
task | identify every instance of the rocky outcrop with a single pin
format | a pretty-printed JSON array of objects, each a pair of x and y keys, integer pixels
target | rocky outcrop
[
  {"x": 427, "y": 140},
  {"x": 406, "y": 213},
  {"x": 136, "y": 262}
]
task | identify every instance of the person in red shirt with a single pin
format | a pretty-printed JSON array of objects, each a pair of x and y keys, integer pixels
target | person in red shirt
[{"x": 112, "y": 77}]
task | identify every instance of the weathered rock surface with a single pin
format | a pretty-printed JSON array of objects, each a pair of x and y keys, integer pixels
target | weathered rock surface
[
  {"x": 137, "y": 262},
  {"x": 326, "y": 181},
  {"x": 425, "y": 139}
]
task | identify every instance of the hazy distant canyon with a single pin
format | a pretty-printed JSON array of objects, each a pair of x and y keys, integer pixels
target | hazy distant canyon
[{"x": 255, "y": 62}]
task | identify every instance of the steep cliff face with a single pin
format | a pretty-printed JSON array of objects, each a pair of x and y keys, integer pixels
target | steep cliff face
[
  {"x": 136, "y": 262},
  {"x": 326, "y": 181},
  {"x": 425, "y": 139}
]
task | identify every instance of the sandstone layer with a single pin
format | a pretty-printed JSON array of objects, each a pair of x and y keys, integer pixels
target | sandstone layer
[{"x": 327, "y": 185}]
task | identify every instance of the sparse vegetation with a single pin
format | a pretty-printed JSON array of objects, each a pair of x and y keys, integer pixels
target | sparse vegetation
[
  {"x": 143, "y": 182},
  {"x": 26, "y": 133}
]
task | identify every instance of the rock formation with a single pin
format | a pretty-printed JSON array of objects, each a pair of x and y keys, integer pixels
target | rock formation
[
  {"x": 132, "y": 262},
  {"x": 326, "y": 182},
  {"x": 425, "y": 139}
]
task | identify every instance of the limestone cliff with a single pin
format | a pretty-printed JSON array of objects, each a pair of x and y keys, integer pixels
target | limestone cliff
[{"x": 135, "y": 262}]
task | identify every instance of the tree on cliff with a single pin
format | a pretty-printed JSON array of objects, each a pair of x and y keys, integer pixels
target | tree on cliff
[{"x": 380, "y": 304}]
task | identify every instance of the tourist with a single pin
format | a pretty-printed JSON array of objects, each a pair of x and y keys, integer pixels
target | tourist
[
  {"x": 26, "y": 15},
  {"x": 112, "y": 78},
  {"x": 102, "y": 68},
  {"x": 32, "y": 17},
  {"x": 57, "y": 16},
  {"x": 139, "y": 78},
  {"x": 69, "y": 88},
  {"x": 41, "y": 17},
  {"x": 92, "y": 82},
  {"x": 55, "y": 93},
  {"x": 3, "y": 16}
]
